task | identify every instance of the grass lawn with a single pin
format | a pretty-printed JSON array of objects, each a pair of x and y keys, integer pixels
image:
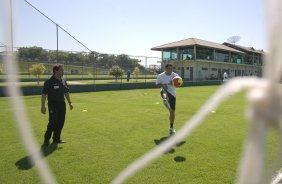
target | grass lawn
[{"x": 120, "y": 126}]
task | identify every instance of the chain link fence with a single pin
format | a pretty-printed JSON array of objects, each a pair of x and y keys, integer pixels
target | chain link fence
[{"x": 85, "y": 67}]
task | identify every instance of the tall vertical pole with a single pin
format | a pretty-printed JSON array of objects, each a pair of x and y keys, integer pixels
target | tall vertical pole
[
  {"x": 11, "y": 26},
  {"x": 196, "y": 64},
  {"x": 94, "y": 69},
  {"x": 57, "y": 33},
  {"x": 145, "y": 68}
]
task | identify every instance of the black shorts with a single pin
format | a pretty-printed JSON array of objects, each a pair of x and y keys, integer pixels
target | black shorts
[{"x": 171, "y": 99}]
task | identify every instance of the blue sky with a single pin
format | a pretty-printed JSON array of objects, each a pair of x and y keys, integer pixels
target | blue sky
[{"x": 133, "y": 27}]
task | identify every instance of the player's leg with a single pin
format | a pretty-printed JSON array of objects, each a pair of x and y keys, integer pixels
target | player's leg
[
  {"x": 171, "y": 117},
  {"x": 56, "y": 125},
  {"x": 61, "y": 121},
  {"x": 51, "y": 124},
  {"x": 165, "y": 99},
  {"x": 172, "y": 101}
]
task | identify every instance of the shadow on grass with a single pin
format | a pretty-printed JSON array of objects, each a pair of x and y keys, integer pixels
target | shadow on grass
[
  {"x": 25, "y": 163},
  {"x": 159, "y": 141},
  {"x": 179, "y": 159}
]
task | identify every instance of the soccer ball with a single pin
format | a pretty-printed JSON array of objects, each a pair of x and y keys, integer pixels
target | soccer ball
[{"x": 177, "y": 81}]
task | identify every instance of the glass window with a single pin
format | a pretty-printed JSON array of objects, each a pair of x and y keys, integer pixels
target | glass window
[
  {"x": 260, "y": 60},
  {"x": 173, "y": 54},
  {"x": 248, "y": 59},
  {"x": 236, "y": 58},
  {"x": 256, "y": 59},
  {"x": 166, "y": 55},
  {"x": 169, "y": 54},
  {"x": 186, "y": 53},
  {"x": 222, "y": 56},
  {"x": 204, "y": 53}
]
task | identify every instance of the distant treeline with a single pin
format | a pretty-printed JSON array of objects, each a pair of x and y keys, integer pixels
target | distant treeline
[{"x": 38, "y": 54}]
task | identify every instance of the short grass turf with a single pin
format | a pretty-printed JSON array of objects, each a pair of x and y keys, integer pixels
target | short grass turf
[{"x": 119, "y": 127}]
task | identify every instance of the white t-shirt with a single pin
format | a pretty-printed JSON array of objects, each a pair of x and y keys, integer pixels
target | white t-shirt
[
  {"x": 166, "y": 79},
  {"x": 225, "y": 76}
]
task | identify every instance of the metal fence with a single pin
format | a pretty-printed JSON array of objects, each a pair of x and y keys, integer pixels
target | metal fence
[{"x": 87, "y": 69}]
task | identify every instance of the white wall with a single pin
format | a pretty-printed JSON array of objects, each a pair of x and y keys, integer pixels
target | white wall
[{"x": 200, "y": 74}]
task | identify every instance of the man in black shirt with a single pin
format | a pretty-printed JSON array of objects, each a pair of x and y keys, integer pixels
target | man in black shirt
[{"x": 56, "y": 89}]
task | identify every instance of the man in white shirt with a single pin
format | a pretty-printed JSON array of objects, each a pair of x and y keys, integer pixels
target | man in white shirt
[
  {"x": 168, "y": 92},
  {"x": 225, "y": 76}
]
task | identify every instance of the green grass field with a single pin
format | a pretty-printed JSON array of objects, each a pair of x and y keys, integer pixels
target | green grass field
[{"x": 119, "y": 127}]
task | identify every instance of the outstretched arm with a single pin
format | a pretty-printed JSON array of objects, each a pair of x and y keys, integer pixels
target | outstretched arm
[
  {"x": 164, "y": 86},
  {"x": 67, "y": 95}
]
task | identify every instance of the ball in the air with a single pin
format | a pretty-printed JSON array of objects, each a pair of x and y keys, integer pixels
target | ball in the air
[{"x": 177, "y": 81}]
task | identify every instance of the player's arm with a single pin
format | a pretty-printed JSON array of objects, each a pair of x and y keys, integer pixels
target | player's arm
[
  {"x": 45, "y": 92},
  {"x": 43, "y": 100},
  {"x": 67, "y": 95},
  {"x": 159, "y": 84}
]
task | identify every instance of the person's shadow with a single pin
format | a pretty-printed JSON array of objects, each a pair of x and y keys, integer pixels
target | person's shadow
[
  {"x": 159, "y": 141},
  {"x": 25, "y": 163}
]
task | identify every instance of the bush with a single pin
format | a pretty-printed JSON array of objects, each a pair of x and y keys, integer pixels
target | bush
[
  {"x": 37, "y": 70},
  {"x": 116, "y": 71}
]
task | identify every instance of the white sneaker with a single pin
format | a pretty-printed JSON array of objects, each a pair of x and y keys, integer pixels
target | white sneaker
[
  {"x": 166, "y": 104},
  {"x": 172, "y": 131}
]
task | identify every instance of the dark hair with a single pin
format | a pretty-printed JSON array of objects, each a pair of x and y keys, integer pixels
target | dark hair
[
  {"x": 57, "y": 67},
  {"x": 168, "y": 65}
]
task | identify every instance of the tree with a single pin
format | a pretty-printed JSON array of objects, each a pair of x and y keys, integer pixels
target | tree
[
  {"x": 126, "y": 62},
  {"x": 92, "y": 57},
  {"x": 136, "y": 72},
  {"x": 31, "y": 53},
  {"x": 106, "y": 61},
  {"x": 116, "y": 71},
  {"x": 37, "y": 70}
]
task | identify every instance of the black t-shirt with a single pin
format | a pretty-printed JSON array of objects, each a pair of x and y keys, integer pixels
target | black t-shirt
[{"x": 55, "y": 89}]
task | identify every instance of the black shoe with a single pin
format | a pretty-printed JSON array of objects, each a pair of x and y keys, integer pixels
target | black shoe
[
  {"x": 59, "y": 142},
  {"x": 46, "y": 143}
]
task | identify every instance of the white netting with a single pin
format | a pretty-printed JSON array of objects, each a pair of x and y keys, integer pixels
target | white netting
[
  {"x": 18, "y": 106},
  {"x": 265, "y": 106}
]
